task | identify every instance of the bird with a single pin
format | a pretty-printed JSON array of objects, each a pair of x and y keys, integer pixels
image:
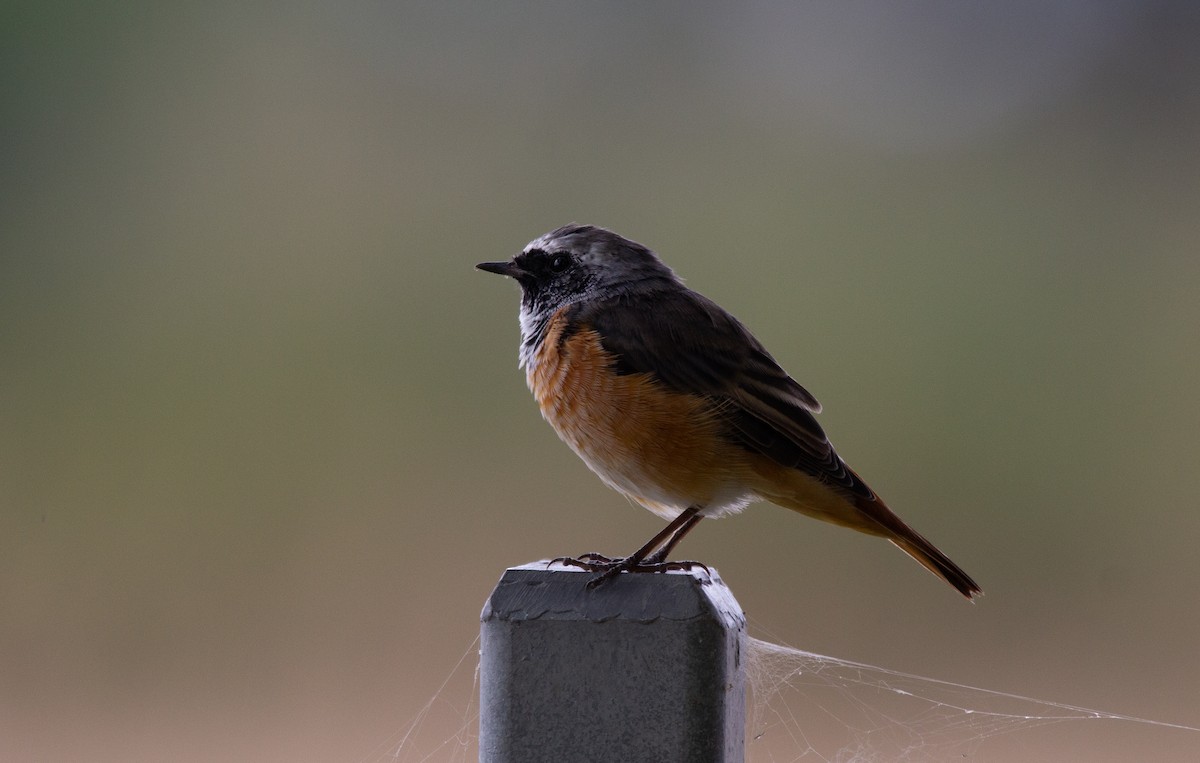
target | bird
[{"x": 673, "y": 403}]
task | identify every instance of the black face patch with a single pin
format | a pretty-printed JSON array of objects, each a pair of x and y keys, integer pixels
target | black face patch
[{"x": 551, "y": 279}]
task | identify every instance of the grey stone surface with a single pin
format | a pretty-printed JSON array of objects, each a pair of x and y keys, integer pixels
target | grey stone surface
[{"x": 647, "y": 667}]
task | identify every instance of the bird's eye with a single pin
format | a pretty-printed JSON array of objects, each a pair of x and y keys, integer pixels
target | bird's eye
[{"x": 559, "y": 263}]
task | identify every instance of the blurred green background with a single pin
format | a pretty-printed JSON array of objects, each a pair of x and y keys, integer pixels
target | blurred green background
[{"x": 265, "y": 448}]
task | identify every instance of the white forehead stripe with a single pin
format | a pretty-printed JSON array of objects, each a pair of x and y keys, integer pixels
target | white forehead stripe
[{"x": 541, "y": 242}]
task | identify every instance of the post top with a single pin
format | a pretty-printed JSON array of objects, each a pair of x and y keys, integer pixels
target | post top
[{"x": 544, "y": 590}]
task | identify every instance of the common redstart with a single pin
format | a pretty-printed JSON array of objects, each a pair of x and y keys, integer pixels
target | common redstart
[{"x": 674, "y": 403}]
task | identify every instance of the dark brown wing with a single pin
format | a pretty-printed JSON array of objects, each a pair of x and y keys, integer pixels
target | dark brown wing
[{"x": 691, "y": 344}]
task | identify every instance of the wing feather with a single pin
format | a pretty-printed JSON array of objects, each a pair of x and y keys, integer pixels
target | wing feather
[{"x": 691, "y": 344}]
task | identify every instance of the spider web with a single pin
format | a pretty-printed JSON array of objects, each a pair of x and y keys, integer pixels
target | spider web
[
  {"x": 453, "y": 709},
  {"x": 806, "y": 707}
]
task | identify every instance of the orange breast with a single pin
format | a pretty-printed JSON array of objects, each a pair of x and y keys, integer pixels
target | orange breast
[{"x": 661, "y": 448}]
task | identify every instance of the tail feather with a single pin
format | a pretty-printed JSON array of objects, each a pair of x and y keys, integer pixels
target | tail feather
[
  {"x": 865, "y": 512},
  {"x": 938, "y": 563},
  {"x": 915, "y": 545}
]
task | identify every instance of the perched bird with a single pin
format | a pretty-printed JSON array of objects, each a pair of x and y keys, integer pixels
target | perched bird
[{"x": 672, "y": 402}]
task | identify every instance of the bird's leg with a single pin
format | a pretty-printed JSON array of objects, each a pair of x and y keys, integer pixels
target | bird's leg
[
  {"x": 667, "y": 538},
  {"x": 660, "y": 556}
]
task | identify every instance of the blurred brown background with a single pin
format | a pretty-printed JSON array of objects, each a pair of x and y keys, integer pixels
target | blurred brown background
[{"x": 263, "y": 441}]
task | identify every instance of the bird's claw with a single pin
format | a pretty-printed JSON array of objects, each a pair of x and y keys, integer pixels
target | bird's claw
[
  {"x": 609, "y": 568},
  {"x": 591, "y": 561},
  {"x": 617, "y": 566}
]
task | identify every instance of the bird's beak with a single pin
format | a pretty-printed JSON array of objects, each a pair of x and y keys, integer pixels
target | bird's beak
[{"x": 508, "y": 268}]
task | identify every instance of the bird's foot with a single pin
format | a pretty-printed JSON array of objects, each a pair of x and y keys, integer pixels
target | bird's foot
[
  {"x": 684, "y": 565},
  {"x": 659, "y": 561},
  {"x": 591, "y": 561},
  {"x": 615, "y": 567},
  {"x": 609, "y": 568}
]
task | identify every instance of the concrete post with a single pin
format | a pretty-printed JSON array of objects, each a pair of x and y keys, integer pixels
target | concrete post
[{"x": 647, "y": 667}]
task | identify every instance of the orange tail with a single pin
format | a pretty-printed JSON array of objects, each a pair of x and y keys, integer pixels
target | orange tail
[
  {"x": 915, "y": 545},
  {"x": 938, "y": 563},
  {"x": 800, "y": 492}
]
